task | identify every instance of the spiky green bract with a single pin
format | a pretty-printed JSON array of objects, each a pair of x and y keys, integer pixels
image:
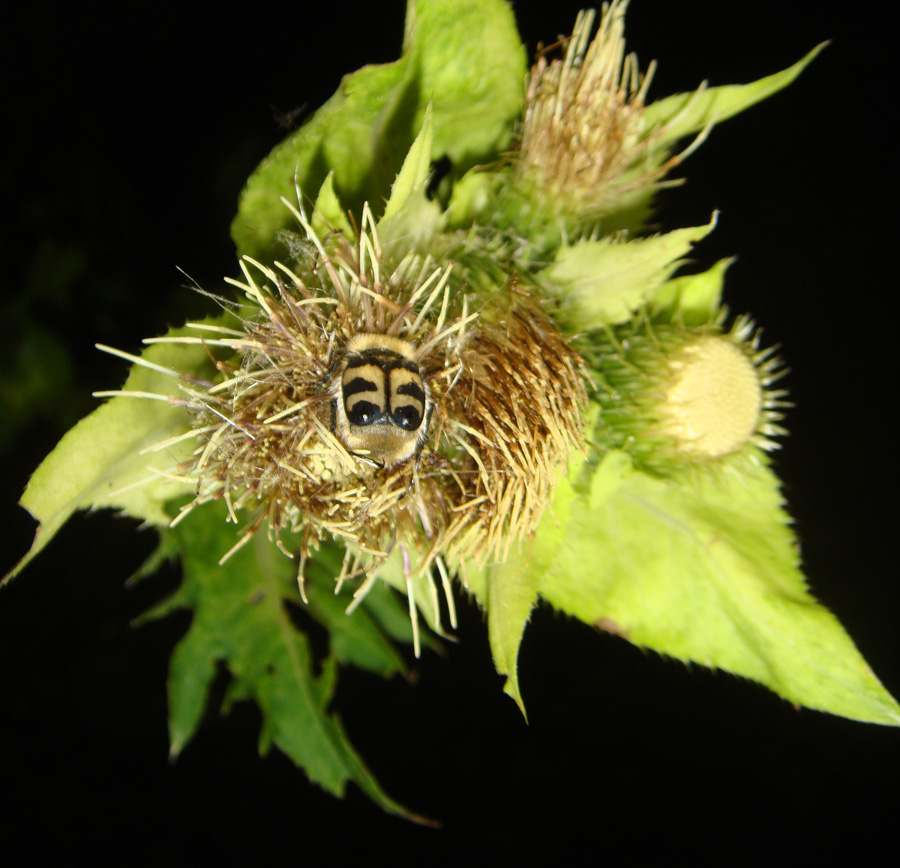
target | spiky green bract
[
  {"x": 674, "y": 396},
  {"x": 109, "y": 460},
  {"x": 604, "y": 281},
  {"x": 463, "y": 56},
  {"x": 241, "y": 621}
]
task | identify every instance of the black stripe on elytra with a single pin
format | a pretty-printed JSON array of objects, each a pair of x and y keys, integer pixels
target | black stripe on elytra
[
  {"x": 387, "y": 360},
  {"x": 358, "y": 384},
  {"x": 414, "y": 390}
]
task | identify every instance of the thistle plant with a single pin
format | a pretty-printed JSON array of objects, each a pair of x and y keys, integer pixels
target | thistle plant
[{"x": 495, "y": 377}]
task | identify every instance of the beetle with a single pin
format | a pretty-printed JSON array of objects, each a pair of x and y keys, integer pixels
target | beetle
[{"x": 381, "y": 405}]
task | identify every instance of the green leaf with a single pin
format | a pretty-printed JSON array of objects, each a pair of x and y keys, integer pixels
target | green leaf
[
  {"x": 510, "y": 591},
  {"x": 672, "y": 118},
  {"x": 474, "y": 197},
  {"x": 347, "y": 136},
  {"x": 462, "y": 56},
  {"x": 509, "y": 596},
  {"x": 414, "y": 173},
  {"x": 328, "y": 214},
  {"x": 684, "y": 114},
  {"x": 410, "y": 219},
  {"x": 472, "y": 67},
  {"x": 604, "y": 281},
  {"x": 694, "y": 299},
  {"x": 705, "y": 569},
  {"x": 361, "y": 638},
  {"x": 240, "y": 619},
  {"x": 102, "y": 462}
]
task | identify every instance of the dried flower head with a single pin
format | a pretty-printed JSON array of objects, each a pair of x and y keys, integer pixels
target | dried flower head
[
  {"x": 367, "y": 404},
  {"x": 584, "y": 143}
]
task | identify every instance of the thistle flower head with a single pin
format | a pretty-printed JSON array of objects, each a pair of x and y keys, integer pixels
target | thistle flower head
[
  {"x": 713, "y": 398},
  {"x": 583, "y": 145},
  {"x": 366, "y": 403},
  {"x": 675, "y": 396}
]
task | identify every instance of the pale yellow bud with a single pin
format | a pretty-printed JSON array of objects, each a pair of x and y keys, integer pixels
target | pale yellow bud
[{"x": 714, "y": 399}]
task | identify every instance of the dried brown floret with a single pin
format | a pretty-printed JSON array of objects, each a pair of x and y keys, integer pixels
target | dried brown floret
[{"x": 492, "y": 401}]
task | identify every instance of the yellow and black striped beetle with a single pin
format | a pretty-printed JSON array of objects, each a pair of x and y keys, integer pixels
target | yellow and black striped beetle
[{"x": 381, "y": 404}]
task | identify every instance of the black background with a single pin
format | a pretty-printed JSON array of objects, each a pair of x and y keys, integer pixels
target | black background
[{"x": 129, "y": 133}]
